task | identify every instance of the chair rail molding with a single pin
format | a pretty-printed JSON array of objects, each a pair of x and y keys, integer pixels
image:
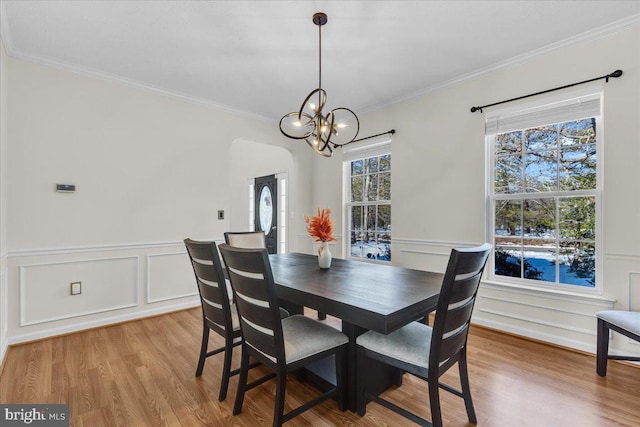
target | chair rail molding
[
  {"x": 100, "y": 248},
  {"x": 566, "y": 296}
]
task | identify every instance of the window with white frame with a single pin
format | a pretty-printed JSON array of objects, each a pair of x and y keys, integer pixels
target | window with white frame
[
  {"x": 367, "y": 174},
  {"x": 282, "y": 212},
  {"x": 251, "y": 188},
  {"x": 544, "y": 194}
]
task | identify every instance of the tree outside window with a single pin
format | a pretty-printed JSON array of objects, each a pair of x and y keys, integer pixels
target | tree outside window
[
  {"x": 369, "y": 208},
  {"x": 544, "y": 203}
]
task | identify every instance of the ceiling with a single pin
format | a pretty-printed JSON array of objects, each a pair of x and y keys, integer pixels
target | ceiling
[{"x": 261, "y": 57}]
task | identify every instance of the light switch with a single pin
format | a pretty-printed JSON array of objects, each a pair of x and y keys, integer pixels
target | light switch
[{"x": 76, "y": 288}]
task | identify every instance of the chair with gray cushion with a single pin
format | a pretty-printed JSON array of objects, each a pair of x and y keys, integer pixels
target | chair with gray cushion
[
  {"x": 626, "y": 323},
  {"x": 246, "y": 239},
  {"x": 218, "y": 314},
  {"x": 282, "y": 345},
  {"x": 426, "y": 352}
]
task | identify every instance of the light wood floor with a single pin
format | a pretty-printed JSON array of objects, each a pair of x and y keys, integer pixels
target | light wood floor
[{"x": 142, "y": 374}]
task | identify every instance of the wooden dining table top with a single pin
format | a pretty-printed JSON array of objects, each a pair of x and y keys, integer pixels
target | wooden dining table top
[{"x": 371, "y": 296}]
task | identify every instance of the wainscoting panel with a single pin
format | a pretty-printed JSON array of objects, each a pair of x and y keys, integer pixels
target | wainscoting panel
[
  {"x": 169, "y": 276},
  {"x": 634, "y": 291},
  {"x": 563, "y": 319},
  {"x": 107, "y": 284}
]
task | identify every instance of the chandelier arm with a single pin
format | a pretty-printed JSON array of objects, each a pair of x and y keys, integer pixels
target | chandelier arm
[
  {"x": 294, "y": 114},
  {"x": 323, "y": 153}
]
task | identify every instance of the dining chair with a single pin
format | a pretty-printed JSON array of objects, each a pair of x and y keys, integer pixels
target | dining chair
[
  {"x": 218, "y": 313},
  {"x": 252, "y": 240},
  {"x": 282, "y": 345},
  {"x": 246, "y": 239},
  {"x": 626, "y": 323},
  {"x": 249, "y": 240},
  {"x": 428, "y": 352}
]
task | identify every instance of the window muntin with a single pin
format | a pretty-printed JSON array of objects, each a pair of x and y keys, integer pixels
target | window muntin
[
  {"x": 369, "y": 207},
  {"x": 544, "y": 200}
]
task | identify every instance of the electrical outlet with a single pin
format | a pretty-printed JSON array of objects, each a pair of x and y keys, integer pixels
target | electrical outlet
[
  {"x": 76, "y": 288},
  {"x": 220, "y": 214}
]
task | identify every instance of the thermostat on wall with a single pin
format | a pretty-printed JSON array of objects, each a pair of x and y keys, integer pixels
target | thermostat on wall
[{"x": 65, "y": 188}]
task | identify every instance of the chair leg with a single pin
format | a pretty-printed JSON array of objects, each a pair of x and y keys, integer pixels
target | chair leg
[
  {"x": 203, "y": 347},
  {"x": 434, "y": 401},
  {"x": 341, "y": 378},
  {"x": 226, "y": 367},
  {"x": 602, "y": 348},
  {"x": 242, "y": 381},
  {"x": 281, "y": 385},
  {"x": 466, "y": 390},
  {"x": 361, "y": 401}
]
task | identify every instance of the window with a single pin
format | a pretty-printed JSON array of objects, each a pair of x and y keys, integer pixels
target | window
[
  {"x": 282, "y": 214},
  {"x": 544, "y": 194},
  {"x": 251, "y": 188},
  {"x": 368, "y": 206}
]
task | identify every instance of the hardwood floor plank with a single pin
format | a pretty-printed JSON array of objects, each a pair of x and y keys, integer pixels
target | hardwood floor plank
[{"x": 142, "y": 373}]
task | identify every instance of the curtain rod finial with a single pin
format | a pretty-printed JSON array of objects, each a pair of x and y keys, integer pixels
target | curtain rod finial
[
  {"x": 616, "y": 73},
  {"x": 474, "y": 109}
]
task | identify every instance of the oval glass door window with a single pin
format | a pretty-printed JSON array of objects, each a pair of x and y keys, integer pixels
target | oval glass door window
[{"x": 266, "y": 210}]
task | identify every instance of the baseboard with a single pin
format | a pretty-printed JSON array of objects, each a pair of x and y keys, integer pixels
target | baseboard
[
  {"x": 4, "y": 347},
  {"x": 50, "y": 333}
]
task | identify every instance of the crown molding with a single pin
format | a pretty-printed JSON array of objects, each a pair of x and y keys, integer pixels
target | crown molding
[
  {"x": 5, "y": 36},
  {"x": 588, "y": 36},
  {"x": 591, "y": 35},
  {"x": 91, "y": 72}
]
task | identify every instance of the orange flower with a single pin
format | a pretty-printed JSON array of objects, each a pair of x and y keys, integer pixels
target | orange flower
[{"x": 320, "y": 226}]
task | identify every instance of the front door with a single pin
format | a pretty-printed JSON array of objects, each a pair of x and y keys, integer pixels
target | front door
[{"x": 266, "y": 210}]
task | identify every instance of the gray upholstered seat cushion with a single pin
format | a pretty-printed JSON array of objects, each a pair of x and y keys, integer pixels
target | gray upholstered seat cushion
[
  {"x": 409, "y": 344},
  {"x": 628, "y": 320},
  {"x": 304, "y": 337}
]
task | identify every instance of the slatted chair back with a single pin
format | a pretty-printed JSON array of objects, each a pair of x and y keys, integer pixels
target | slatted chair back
[
  {"x": 255, "y": 294},
  {"x": 246, "y": 239},
  {"x": 211, "y": 284},
  {"x": 455, "y": 304}
]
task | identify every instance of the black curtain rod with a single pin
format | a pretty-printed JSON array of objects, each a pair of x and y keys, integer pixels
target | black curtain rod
[
  {"x": 389, "y": 132},
  {"x": 615, "y": 74}
]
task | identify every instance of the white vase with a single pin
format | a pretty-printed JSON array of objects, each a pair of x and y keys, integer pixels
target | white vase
[{"x": 324, "y": 255}]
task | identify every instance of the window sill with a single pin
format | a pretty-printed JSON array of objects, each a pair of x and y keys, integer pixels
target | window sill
[{"x": 562, "y": 295}]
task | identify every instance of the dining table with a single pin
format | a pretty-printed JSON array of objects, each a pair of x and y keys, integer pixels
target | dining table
[{"x": 364, "y": 296}]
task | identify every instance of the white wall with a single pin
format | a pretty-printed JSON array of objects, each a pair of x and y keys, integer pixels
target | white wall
[
  {"x": 438, "y": 184},
  {"x": 149, "y": 171},
  {"x": 3, "y": 203}
]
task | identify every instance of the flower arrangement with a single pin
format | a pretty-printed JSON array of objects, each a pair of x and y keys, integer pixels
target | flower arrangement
[{"x": 320, "y": 226}]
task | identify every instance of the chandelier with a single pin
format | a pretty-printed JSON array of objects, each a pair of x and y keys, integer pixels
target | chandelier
[{"x": 323, "y": 132}]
